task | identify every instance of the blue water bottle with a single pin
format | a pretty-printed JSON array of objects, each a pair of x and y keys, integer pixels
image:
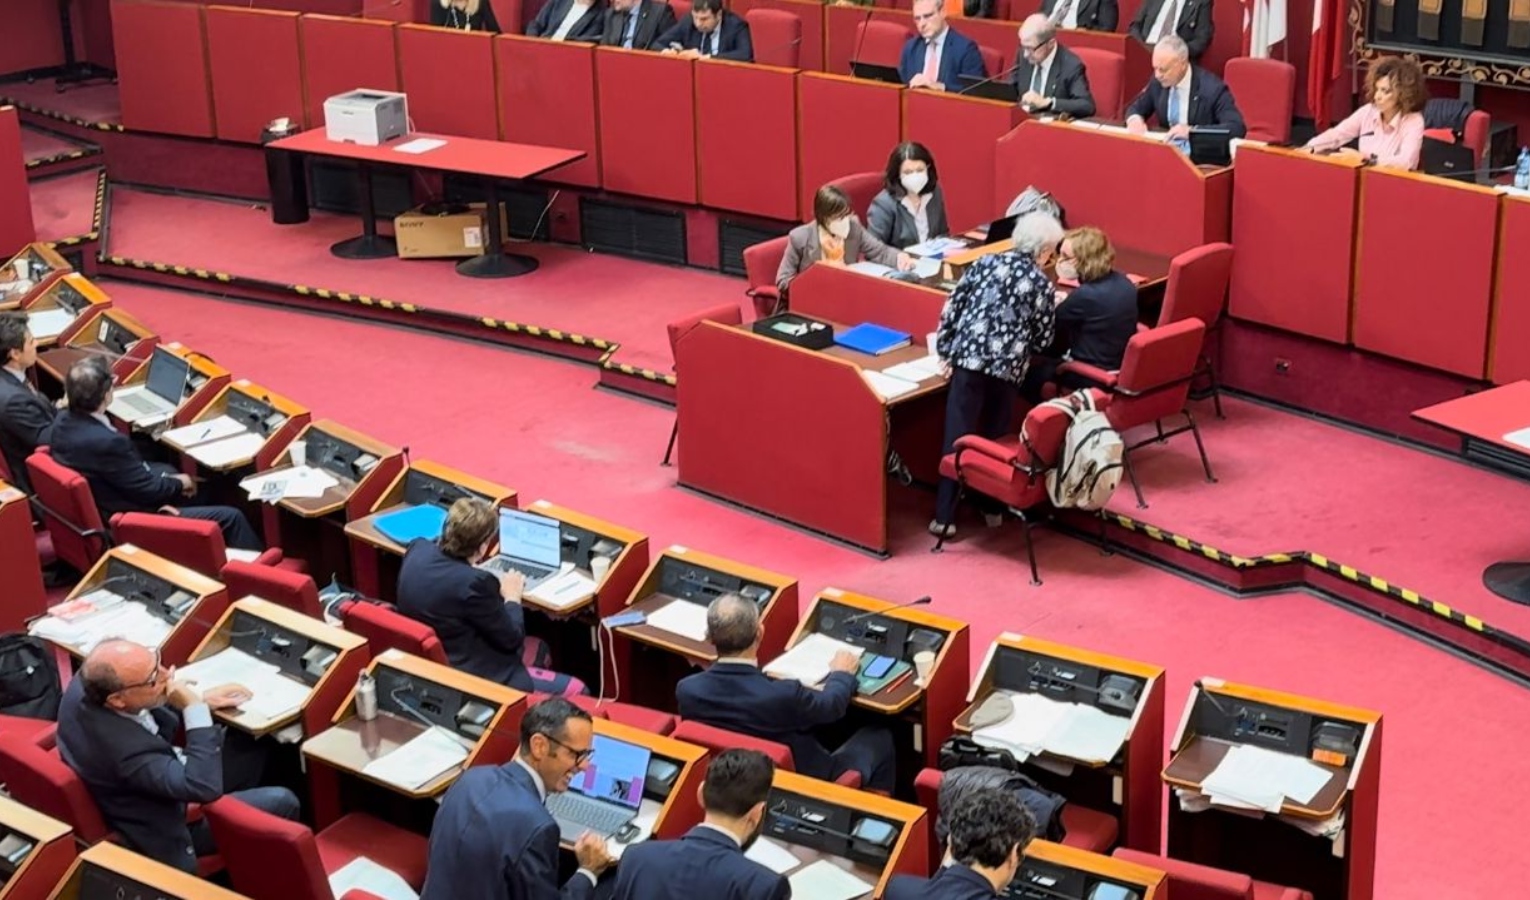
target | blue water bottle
[{"x": 1522, "y": 170}]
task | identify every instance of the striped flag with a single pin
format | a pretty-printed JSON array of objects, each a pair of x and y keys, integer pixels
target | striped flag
[
  {"x": 1326, "y": 62},
  {"x": 1264, "y": 26}
]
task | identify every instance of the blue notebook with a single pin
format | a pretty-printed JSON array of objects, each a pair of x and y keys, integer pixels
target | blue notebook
[
  {"x": 873, "y": 340},
  {"x": 405, "y": 525}
]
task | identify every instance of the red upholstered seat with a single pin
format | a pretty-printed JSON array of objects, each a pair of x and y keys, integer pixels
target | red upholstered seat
[
  {"x": 1479, "y": 125},
  {"x": 68, "y": 510},
  {"x": 720, "y": 739},
  {"x": 726, "y": 314},
  {"x": 38, "y": 778},
  {"x": 278, "y": 584},
  {"x": 642, "y": 718},
  {"x": 1084, "y": 828},
  {"x": 761, "y": 261},
  {"x": 1107, "y": 80},
  {"x": 861, "y": 188},
  {"x": 1266, "y": 91},
  {"x": 880, "y": 42},
  {"x": 270, "y": 858},
  {"x": 682, "y": 9},
  {"x": 1189, "y": 881},
  {"x": 1197, "y": 289},
  {"x": 1154, "y": 383},
  {"x": 385, "y": 629},
  {"x": 993, "y": 61},
  {"x": 196, "y": 544},
  {"x": 776, "y": 35}
]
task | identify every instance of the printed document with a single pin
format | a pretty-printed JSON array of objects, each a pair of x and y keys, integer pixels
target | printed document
[
  {"x": 239, "y": 448},
  {"x": 420, "y": 145},
  {"x": 1070, "y": 730},
  {"x": 773, "y": 856},
  {"x": 363, "y": 874},
  {"x": 49, "y": 323},
  {"x": 681, "y": 617},
  {"x": 887, "y": 386},
  {"x": 808, "y": 661},
  {"x": 1253, "y": 777},
  {"x": 420, "y": 761},
  {"x": 130, "y": 621},
  {"x": 825, "y": 881},
  {"x": 198, "y": 433},
  {"x": 272, "y": 694}
]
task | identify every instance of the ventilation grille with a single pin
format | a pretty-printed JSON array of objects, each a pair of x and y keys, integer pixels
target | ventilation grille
[
  {"x": 336, "y": 189},
  {"x": 524, "y": 205},
  {"x": 733, "y": 237},
  {"x": 632, "y": 231}
]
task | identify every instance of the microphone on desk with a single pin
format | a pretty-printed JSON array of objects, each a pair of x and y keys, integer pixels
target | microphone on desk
[
  {"x": 774, "y": 47},
  {"x": 977, "y": 84},
  {"x": 1473, "y": 173},
  {"x": 865, "y": 22},
  {"x": 879, "y": 612}
]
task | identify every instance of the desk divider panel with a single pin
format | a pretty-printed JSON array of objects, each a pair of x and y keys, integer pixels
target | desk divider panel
[
  {"x": 342, "y": 54},
  {"x": 647, "y": 124},
  {"x": 16, "y": 226},
  {"x": 547, "y": 97},
  {"x": 855, "y": 124},
  {"x": 811, "y": 12},
  {"x": 840, "y": 26},
  {"x": 1291, "y": 206},
  {"x": 162, "y": 67},
  {"x": 449, "y": 77},
  {"x": 1510, "y": 329},
  {"x": 746, "y": 138},
  {"x": 850, "y": 298},
  {"x": 257, "y": 72},
  {"x": 1422, "y": 294},
  {"x": 961, "y": 132}
]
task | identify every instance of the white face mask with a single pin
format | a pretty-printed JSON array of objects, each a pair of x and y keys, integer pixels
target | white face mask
[
  {"x": 914, "y": 182},
  {"x": 840, "y": 228},
  {"x": 1066, "y": 270}
]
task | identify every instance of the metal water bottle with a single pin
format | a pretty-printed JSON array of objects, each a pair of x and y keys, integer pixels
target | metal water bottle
[{"x": 366, "y": 697}]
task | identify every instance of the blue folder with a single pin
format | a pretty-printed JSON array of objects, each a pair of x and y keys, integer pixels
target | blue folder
[
  {"x": 405, "y": 525},
  {"x": 872, "y": 339}
]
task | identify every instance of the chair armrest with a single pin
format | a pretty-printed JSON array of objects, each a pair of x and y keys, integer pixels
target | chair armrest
[
  {"x": 850, "y": 779},
  {"x": 270, "y": 557},
  {"x": 978, "y": 444},
  {"x": 765, "y": 292},
  {"x": 1093, "y": 373}
]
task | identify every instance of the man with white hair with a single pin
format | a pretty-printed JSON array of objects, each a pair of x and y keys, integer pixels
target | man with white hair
[
  {"x": 999, "y": 314},
  {"x": 1049, "y": 77},
  {"x": 1181, "y": 97}
]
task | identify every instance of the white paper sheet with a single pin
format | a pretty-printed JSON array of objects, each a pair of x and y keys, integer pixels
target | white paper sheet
[
  {"x": 934, "y": 247},
  {"x": 927, "y": 268},
  {"x": 272, "y": 694},
  {"x": 297, "y": 482},
  {"x": 773, "y": 856},
  {"x": 49, "y": 323},
  {"x": 888, "y": 387},
  {"x": 1089, "y": 734},
  {"x": 681, "y": 617},
  {"x": 1260, "y": 778},
  {"x": 420, "y": 145},
  {"x": 922, "y": 369},
  {"x": 367, "y": 875},
  {"x": 229, "y": 450},
  {"x": 206, "y": 432},
  {"x": 825, "y": 881},
  {"x": 418, "y": 762},
  {"x": 129, "y": 621},
  {"x": 1520, "y": 438},
  {"x": 808, "y": 661},
  {"x": 866, "y": 267},
  {"x": 564, "y": 589},
  {"x": 1070, "y": 730}
]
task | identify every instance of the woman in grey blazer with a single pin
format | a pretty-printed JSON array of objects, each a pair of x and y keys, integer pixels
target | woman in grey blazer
[
  {"x": 911, "y": 208},
  {"x": 834, "y": 237}
]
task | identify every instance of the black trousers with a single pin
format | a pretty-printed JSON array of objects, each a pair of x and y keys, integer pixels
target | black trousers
[
  {"x": 979, "y": 404},
  {"x": 238, "y": 533}
]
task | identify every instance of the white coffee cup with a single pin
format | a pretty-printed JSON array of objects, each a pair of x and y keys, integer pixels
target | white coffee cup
[
  {"x": 298, "y": 450},
  {"x": 599, "y": 566},
  {"x": 924, "y": 664},
  {"x": 22, "y": 269}
]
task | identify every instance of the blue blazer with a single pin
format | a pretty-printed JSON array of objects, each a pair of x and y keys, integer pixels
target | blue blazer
[
  {"x": 493, "y": 839},
  {"x": 951, "y": 883},
  {"x": 136, "y": 779},
  {"x": 741, "y": 698},
  {"x": 119, "y": 478},
  {"x": 704, "y": 864},
  {"x": 959, "y": 56},
  {"x": 732, "y": 43},
  {"x": 481, "y": 633}
]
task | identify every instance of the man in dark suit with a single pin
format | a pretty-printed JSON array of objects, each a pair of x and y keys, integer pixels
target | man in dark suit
[
  {"x": 115, "y": 726},
  {"x": 937, "y": 57},
  {"x": 83, "y": 439},
  {"x": 708, "y": 862},
  {"x": 1089, "y": 15},
  {"x": 26, "y": 416},
  {"x": 569, "y": 20},
  {"x": 1181, "y": 97},
  {"x": 711, "y": 31},
  {"x": 989, "y": 830},
  {"x": 734, "y": 694},
  {"x": 1189, "y": 19},
  {"x": 493, "y": 838},
  {"x": 637, "y": 24},
  {"x": 1049, "y": 76}
]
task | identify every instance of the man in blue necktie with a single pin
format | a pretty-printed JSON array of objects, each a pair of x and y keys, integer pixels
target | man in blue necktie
[
  {"x": 1183, "y": 97},
  {"x": 637, "y": 24}
]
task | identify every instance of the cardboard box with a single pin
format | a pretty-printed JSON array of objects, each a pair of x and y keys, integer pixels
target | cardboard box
[{"x": 422, "y": 236}]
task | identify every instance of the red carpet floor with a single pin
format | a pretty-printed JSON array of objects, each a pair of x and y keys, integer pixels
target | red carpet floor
[
  {"x": 64, "y": 206},
  {"x": 96, "y": 102},
  {"x": 37, "y": 145},
  {"x": 595, "y": 295},
  {"x": 1450, "y": 811}
]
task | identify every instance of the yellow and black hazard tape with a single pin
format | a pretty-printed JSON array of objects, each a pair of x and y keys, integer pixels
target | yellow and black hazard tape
[
  {"x": 169, "y": 269},
  {"x": 98, "y": 213},
  {"x": 551, "y": 334},
  {"x": 75, "y": 240},
  {"x": 61, "y": 117},
  {"x": 1206, "y": 550},
  {"x": 62, "y": 157},
  {"x": 646, "y": 374}
]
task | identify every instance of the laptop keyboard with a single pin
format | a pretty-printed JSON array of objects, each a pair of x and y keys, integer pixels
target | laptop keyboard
[
  {"x": 577, "y": 814},
  {"x": 141, "y": 404},
  {"x": 499, "y": 565}
]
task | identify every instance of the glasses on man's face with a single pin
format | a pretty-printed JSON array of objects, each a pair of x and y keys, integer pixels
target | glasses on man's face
[
  {"x": 153, "y": 679},
  {"x": 580, "y": 756},
  {"x": 924, "y": 17}
]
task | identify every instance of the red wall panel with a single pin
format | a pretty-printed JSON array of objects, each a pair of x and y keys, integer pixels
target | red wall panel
[
  {"x": 854, "y": 125},
  {"x": 240, "y": 44},
  {"x": 746, "y": 138},
  {"x": 162, "y": 67},
  {"x": 16, "y": 229},
  {"x": 962, "y": 134},
  {"x": 647, "y": 124},
  {"x": 547, "y": 97},
  {"x": 449, "y": 77}
]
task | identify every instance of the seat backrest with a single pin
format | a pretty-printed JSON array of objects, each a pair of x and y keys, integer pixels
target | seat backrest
[
  {"x": 726, "y": 313},
  {"x": 927, "y": 790},
  {"x": 762, "y": 260},
  {"x": 1266, "y": 93},
  {"x": 267, "y": 857},
  {"x": 1155, "y": 374},
  {"x": 70, "y": 513},
  {"x": 776, "y": 35},
  {"x": 880, "y": 42},
  {"x": 993, "y": 60},
  {"x": 385, "y": 629},
  {"x": 1197, "y": 285},
  {"x": 284, "y": 587},
  {"x": 682, "y": 9},
  {"x": 196, "y": 544},
  {"x": 861, "y": 188},
  {"x": 1188, "y": 881},
  {"x": 1044, "y": 430},
  {"x": 1479, "y": 125},
  {"x": 1107, "y": 80},
  {"x": 39, "y": 778},
  {"x": 720, "y": 739}
]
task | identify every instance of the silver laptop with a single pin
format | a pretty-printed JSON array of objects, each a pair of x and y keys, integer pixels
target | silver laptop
[
  {"x": 529, "y": 544},
  {"x": 607, "y": 795},
  {"x": 162, "y": 393}
]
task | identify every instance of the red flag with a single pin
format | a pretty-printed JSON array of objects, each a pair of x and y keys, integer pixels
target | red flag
[{"x": 1326, "y": 62}]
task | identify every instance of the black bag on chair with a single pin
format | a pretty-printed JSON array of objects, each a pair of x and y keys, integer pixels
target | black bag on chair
[
  {"x": 28, "y": 678},
  {"x": 969, "y": 765}
]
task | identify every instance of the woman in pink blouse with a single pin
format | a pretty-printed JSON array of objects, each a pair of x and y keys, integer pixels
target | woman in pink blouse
[{"x": 1391, "y": 126}]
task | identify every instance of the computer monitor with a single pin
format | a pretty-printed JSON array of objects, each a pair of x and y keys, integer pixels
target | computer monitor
[
  {"x": 616, "y": 772},
  {"x": 167, "y": 375},
  {"x": 530, "y": 537},
  {"x": 875, "y": 72},
  {"x": 1211, "y": 146},
  {"x": 989, "y": 88},
  {"x": 1001, "y": 229}
]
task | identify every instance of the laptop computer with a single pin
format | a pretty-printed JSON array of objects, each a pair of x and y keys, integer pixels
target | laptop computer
[
  {"x": 989, "y": 89},
  {"x": 161, "y": 394},
  {"x": 1000, "y": 229},
  {"x": 529, "y": 544},
  {"x": 1447, "y": 160},
  {"x": 874, "y": 72},
  {"x": 1211, "y": 146},
  {"x": 607, "y": 795}
]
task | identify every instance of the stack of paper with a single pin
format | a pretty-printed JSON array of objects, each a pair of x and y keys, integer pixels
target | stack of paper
[
  {"x": 272, "y": 694},
  {"x": 867, "y": 267},
  {"x": 198, "y": 433},
  {"x": 564, "y": 589},
  {"x": 49, "y": 323},
  {"x": 825, "y": 881},
  {"x": 936, "y": 246},
  {"x": 1069, "y": 730},
  {"x": 129, "y": 621},
  {"x": 365, "y": 875},
  {"x": 887, "y": 386},
  {"x": 419, "y": 762},
  {"x": 681, "y": 617},
  {"x": 773, "y": 856},
  {"x": 297, "y": 482},
  {"x": 808, "y": 662},
  {"x": 237, "y": 449},
  {"x": 921, "y": 369},
  {"x": 1256, "y": 778}
]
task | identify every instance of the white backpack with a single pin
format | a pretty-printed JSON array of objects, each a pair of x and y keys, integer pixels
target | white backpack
[{"x": 1089, "y": 465}]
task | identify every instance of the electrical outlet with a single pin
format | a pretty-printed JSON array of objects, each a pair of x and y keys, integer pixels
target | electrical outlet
[{"x": 1283, "y": 366}]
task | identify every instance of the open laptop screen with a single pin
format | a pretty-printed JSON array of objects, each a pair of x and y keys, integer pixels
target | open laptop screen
[
  {"x": 530, "y": 537},
  {"x": 616, "y": 772},
  {"x": 167, "y": 376}
]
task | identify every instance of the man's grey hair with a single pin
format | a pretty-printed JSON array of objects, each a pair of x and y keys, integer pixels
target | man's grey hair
[
  {"x": 733, "y": 623},
  {"x": 1175, "y": 45},
  {"x": 1038, "y": 26},
  {"x": 1035, "y": 232}
]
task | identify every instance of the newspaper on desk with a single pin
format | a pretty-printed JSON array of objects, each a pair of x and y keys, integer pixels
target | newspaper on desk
[
  {"x": 272, "y": 695},
  {"x": 294, "y": 483},
  {"x": 1070, "y": 730},
  {"x": 112, "y": 617},
  {"x": 808, "y": 661},
  {"x": 426, "y": 757},
  {"x": 681, "y": 617}
]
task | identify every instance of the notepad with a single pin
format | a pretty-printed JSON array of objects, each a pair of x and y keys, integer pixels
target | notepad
[
  {"x": 681, "y": 617},
  {"x": 825, "y": 881},
  {"x": 49, "y": 323},
  {"x": 237, "y": 449},
  {"x": 404, "y": 525},
  {"x": 422, "y": 760},
  {"x": 772, "y": 856},
  {"x": 873, "y": 339},
  {"x": 808, "y": 661},
  {"x": 887, "y": 386},
  {"x": 564, "y": 589},
  {"x": 198, "y": 433},
  {"x": 420, "y": 145}
]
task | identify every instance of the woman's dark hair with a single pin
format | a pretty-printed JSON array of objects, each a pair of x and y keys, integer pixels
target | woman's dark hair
[
  {"x": 909, "y": 150},
  {"x": 829, "y": 204}
]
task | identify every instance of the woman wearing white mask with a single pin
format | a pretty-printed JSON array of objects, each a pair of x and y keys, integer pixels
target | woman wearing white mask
[
  {"x": 911, "y": 208},
  {"x": 1095, "y": 321},
  {"x": 834, "y": 237}
]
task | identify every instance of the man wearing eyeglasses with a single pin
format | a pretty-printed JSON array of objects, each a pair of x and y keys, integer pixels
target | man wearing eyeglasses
[
  {"x": 1049, "y": 76},
  {"x": 938, "y": 56},
  {"x": 493, "y": 838},
  {"x": 115, "y": 726}
]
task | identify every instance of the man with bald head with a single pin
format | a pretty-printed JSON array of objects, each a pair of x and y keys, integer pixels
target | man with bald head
[
  {"x": 115, "y": 726},
  {"x": 1049, "y": 77},
  {"x": 734, "y": 694}
]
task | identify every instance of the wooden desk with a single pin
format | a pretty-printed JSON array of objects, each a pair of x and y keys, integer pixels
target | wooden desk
[
  {"x": 1044, "y": 858},
  {"x": 107, "y": 870},
  {"x": 206, "y": 379},
  {"x": 681, "y": 809},
  {"x": 663, "y": 656},
  {"x": 44, "y": 267},
  {"x": 210, "y": 598},
  {"x": 35, "y": 874},
  {"x": 112, "y": 333},
  {"x": 910, "y": 852},
  {"x": 349, "y": 744},
  {"x": 374, "y": 555},
  {"x": 1127, "y": 786},
  {"x": 1219, "y": 716},
  {"x": 73, "y": 292},
  {"x": 25, "y": 596},
  {"x": 244, "y": 400}
]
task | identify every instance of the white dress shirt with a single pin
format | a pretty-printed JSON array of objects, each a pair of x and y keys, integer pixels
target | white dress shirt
[
  {"x": 1157, "y": 33},
  {"x": 919, "y": 205},
  {"x": 575, "y": 12}
]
